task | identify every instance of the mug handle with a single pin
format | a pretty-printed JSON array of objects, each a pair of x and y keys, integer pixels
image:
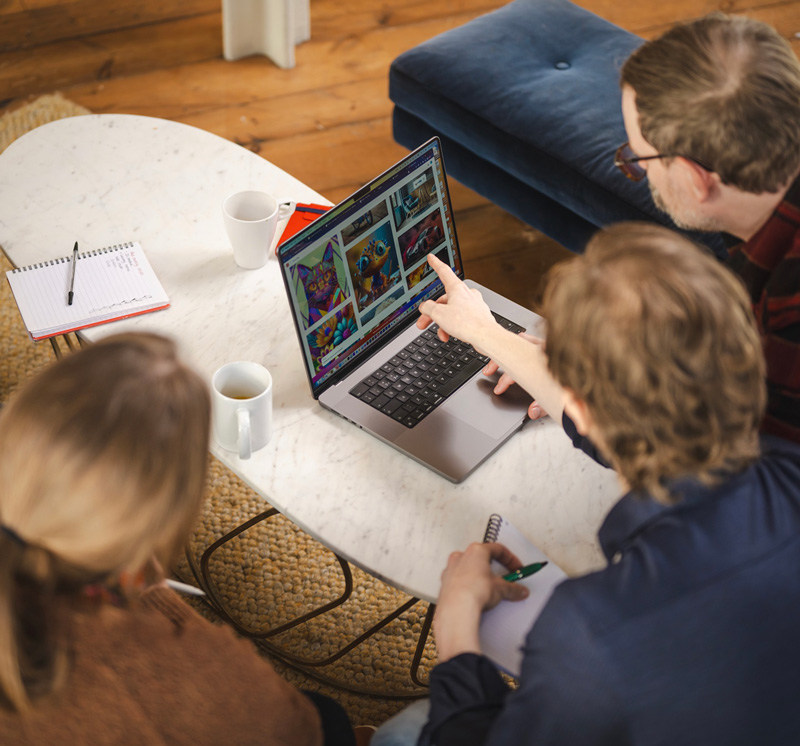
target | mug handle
[{"x": 243, "y": 420}]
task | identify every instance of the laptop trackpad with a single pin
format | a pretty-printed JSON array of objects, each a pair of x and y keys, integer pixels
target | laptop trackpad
[{"x": 477, "y": 405}]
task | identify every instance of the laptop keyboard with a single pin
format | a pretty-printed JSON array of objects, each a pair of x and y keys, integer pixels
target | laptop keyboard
[{"x": 422, "y": 375}]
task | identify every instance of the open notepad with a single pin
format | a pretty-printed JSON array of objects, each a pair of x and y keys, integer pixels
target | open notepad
[
  {"x": 504, "y": 628},
  {"x": 111, "y": 283}
]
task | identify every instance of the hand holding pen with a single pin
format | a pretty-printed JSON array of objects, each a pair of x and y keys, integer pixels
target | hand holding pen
[
  {"x": 524, "y": 572},
  {"x": 469, "y": 587}
]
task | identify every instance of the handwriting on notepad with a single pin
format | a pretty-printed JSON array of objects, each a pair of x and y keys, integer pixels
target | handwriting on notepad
[{"x": 112, "y": 283}]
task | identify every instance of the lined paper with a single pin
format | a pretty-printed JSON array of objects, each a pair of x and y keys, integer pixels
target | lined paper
[{"x": 110, "y": 283}]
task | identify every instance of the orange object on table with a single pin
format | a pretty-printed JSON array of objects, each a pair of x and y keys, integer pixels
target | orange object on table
[{"x": 301, "y": 217}]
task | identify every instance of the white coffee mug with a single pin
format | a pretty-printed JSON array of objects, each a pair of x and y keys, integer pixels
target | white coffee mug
[
  {"x": 241, "y": 395},
  {"x": 250, "y": 221}
]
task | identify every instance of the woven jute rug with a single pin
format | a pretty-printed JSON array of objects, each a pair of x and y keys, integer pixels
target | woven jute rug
[
  {"x": 44, "y": 109},
  {"x": 274, "y": 572}
]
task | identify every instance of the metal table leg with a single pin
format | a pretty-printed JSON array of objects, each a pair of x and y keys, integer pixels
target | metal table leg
[{"x": 310, "y": 666}]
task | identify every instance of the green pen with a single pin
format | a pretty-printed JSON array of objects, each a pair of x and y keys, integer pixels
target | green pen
[{"x": 524, "y": 572}]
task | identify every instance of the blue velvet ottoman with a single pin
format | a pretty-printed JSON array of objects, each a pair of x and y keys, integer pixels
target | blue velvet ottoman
[{"x": 526, "y": 101}]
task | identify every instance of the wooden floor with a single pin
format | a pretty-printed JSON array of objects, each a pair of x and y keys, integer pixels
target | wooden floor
[{"x": 328, "y": 121}]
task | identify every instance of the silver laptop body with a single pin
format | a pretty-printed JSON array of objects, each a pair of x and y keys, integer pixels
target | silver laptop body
[{"x": 355, "y": 278}]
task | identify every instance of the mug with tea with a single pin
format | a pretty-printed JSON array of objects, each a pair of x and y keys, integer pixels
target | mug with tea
[
  {"x": 241, "y": 395},
  {"x": 251, "y": 218}
]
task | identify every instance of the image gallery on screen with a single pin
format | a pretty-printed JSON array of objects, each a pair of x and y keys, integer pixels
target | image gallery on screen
[{"x": 354, "y": 281}]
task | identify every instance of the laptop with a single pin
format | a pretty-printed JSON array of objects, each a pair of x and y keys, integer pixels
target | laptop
[{"x": 355, "y": 278}]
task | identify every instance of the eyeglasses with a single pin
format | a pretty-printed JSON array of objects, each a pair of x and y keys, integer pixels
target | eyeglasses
[{"x": 628, "y": 162}]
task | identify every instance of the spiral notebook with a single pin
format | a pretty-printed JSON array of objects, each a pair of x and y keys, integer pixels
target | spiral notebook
[
  {"x": 110, "y": 284},
  {"x": 504, "y": 628}
]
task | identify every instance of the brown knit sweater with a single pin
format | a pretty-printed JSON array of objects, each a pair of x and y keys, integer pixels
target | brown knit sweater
[{"x": 159, "y": 674}]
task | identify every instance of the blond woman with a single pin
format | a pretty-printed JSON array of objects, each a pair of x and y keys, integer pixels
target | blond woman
[{"x": 102, "y": 467}]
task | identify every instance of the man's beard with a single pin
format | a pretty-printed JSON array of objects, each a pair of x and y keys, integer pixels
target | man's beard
[
  {"x": 684, "y": 217},
  {"x": 658, "y": 200}
]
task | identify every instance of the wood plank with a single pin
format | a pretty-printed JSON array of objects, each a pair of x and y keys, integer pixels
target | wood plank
[
  {"x": 255, "y": 122},
  {"x": 345, "y": 10},
  {"x": 505, "y": 254},
  {"x": 217, "y": 84},
  {"x": 104, "y": 56},
  {"x": 330, "y": 19},
  {"x": 55, "y": 21},
  {"x": 35, "y": 4},
  {"x": 38, "y": 4},
  {"x": 256, "y": 79},
  {"x": 11, "y": 6},
  {"x": 343, "y": 159},
  {"x": 651, "y": 19},
  {"x": 304, "y": 112},
  {"x": 338, "y": 161},
  {"x": 785, "y": 19}
]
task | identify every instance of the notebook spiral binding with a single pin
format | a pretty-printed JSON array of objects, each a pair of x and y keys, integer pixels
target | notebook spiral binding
[
  {"x": 81, "y": 255},
  {"x": 492, "y": 528}
]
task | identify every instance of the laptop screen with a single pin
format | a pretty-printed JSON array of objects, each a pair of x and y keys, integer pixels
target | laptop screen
[{"x": 359, "y": 272}]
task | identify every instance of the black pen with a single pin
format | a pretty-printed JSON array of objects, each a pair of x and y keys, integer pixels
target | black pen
[
  {"x": 524, "y": 572},
  {"x": 72, "y": 278}
]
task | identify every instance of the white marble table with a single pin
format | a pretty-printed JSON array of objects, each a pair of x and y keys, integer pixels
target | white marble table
[{"x": 111, "y": 178}]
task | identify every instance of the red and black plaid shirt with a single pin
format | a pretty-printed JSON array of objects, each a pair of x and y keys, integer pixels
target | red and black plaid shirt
[{"x": 769, "y": 264}]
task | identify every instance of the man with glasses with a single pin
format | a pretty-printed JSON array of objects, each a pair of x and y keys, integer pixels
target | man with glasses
[{"x": 712, "y": 113}]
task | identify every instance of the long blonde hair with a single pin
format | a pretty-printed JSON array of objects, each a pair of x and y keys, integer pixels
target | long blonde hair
[
  {"x": 659, "y": 340},
  {"x": 102, "y": 467}
]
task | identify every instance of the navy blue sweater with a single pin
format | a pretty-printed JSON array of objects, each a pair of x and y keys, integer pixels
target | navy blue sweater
[{"x": 690, "y": 635}]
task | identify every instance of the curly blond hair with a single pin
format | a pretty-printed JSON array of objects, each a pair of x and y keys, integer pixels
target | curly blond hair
[{"x": 659, "y": 340}]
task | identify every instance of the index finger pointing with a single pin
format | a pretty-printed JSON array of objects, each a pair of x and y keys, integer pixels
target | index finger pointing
[{"x": 446, "y": 274}]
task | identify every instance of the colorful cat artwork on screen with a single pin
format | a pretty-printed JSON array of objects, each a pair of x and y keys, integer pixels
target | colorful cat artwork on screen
[{"x": 323, "y": 282}]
